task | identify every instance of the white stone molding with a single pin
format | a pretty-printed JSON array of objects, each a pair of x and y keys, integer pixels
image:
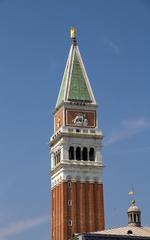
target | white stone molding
[{"x": 75, "y": 173}]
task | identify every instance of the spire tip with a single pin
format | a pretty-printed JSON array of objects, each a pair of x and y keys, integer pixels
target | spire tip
[{"x": 73, "y": 34}]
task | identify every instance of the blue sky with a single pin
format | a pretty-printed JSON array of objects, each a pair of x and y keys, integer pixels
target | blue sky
[{"x": 114, "y": 42}]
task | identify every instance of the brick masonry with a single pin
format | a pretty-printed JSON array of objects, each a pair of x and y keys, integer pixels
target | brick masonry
[
  {"x": 59, "y": 119},
  {"x": 86, "y": 212}
]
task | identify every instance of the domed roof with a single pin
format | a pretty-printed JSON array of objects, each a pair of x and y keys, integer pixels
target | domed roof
[{"x": 133, "y": 207}]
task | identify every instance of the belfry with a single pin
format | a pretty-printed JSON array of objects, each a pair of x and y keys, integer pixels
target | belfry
[{"x": 76, "y": 160}]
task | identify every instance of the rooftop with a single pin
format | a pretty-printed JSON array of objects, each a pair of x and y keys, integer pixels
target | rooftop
[{"x": 128, "y": 230}]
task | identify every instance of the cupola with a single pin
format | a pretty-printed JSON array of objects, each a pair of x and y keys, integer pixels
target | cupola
[{"x": 134, "y": 215}]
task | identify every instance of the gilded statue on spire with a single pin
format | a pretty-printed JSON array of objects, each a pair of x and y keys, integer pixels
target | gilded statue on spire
[{"x": 73, "y": 34}]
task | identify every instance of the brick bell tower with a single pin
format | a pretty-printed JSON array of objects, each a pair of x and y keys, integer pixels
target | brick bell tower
[{"x": 76, "y": 161}]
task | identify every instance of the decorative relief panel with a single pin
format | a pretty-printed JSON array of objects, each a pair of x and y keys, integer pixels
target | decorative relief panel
[{"x": 80, "y": 118}]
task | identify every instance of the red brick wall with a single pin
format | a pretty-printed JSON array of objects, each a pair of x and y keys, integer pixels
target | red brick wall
[
  {"x": 59, "y": 117},
  {"x": 74, "y": 206},
  {"x": 86, "y": 212},
  {"x": 100, "y": 209},
  {"x": 82, "y": 208}
]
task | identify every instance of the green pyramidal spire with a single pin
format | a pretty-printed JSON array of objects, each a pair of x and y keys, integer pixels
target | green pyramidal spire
[{"x": 75, "y": 86}]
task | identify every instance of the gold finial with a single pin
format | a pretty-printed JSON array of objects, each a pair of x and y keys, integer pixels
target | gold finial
[{"x": 73, "y": 33}]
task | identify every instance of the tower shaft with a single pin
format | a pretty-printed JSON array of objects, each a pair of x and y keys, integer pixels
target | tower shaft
[
  {"x": 76, "y": 161},
  {"x": 76, "y": 209}
]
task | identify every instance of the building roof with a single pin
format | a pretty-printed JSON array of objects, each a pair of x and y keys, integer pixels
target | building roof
[
  {"x": 134, "y": 227},
  {"x": 128, "y": 230},
  {"x": 75, "y": 84},
  {"x": 134, "y": 230}
]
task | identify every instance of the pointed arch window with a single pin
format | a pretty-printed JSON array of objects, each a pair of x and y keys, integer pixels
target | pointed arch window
[
  {"x": 85, "y": 154},
  {"x": 92, "y": 154},
  {"x": 71, "y": 153},
  {"x": 78, "y": 153}
]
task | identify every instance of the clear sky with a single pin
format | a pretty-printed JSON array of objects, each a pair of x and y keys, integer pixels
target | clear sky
[{"x": 114, "y": 40}]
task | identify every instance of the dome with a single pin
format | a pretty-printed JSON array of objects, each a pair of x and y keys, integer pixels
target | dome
[{"x": 133, "y": 207}]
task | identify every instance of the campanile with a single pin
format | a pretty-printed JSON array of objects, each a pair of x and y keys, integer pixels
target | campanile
[{"x": 76, "y": 160}]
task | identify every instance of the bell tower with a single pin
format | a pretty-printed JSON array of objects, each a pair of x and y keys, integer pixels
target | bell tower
[{"x": 76, "y": 161}]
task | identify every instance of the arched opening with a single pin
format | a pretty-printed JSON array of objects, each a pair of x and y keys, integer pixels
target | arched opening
[
  {"x": 84, "y": 154},
  {"x": 138, "y": 218},
  {"x": 134, "y": 217},
  {"x": 129, "y": 232},
  {"x": 55, "y": 160},
  {"x": 130, "y": 218},
  {"x": 58, "y": 157},
  {"x": 92, "y": 154},
  {"x": 71, "y": 153},
  {"x": 78, "y": 153}
]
